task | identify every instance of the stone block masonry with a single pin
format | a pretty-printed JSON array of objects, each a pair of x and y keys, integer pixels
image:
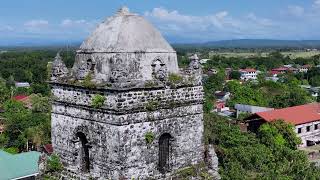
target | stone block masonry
[
  {"x": 117, "y": 135},
  {"x": 125, "y": 110}
]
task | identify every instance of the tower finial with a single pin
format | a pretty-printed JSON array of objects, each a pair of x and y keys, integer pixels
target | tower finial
[
  {"x": 194, "y": 57},
  {"x": 123, "y": 10},
  {"x": 58, "y": 57}
]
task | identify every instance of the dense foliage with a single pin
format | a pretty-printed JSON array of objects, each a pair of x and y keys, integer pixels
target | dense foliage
[
  {"x": 268, "y": 94},
  {"x": 54, "y": 164},
  {"x": 271, "y": 154},
  {"x": 25, "y": 129},
  {"x": 30, "y": 66}
]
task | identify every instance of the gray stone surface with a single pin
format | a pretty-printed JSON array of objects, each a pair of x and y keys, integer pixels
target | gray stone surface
[
  {"x": 213, "y": 162},
  {"x": 59, "y": 71},
  {"x": 138, "y": 99},
  {"x": 125, "y": 32}
]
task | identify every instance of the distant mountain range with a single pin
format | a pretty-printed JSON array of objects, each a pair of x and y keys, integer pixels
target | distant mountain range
[
  {"x": 255, "y": 43},
  {"x": 239, "y": 43}
]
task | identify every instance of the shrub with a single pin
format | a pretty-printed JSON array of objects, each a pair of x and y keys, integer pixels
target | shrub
[
  {"x": 87, "y": 82},
  {"x": 149, "y": 84},
  {"x": 98, "y": 101},
  {"x": 11, "y": 150},
  {"x": 54, "y": 164},
  {"x": 149, "y": 137},
  {"x": 175, "y": 78},
  {"x": 187, "y": 172},
  {"x": 152, "y": 105}
]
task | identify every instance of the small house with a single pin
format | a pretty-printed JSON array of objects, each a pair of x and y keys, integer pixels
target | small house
[{"x": 248, "y": 74}]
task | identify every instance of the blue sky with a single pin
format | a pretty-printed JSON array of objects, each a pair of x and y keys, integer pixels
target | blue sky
[{"x": 48, "y": 21}]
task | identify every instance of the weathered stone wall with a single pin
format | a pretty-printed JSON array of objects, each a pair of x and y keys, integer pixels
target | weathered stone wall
[
  {"x": 140, "y": 160},
  {"x": 134, "y": 100},
  {"x": 116, "y": 134},
  {"x": 103, "y": 138},
  {"x": 129, "y": 66}
]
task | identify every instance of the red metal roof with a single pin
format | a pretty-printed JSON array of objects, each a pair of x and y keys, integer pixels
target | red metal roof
[
  {"x": 274, "y": 72},
  {"x": 48, "y": 148},
  {"x": 306, "y": 66},
  {"x": 248, "y": 70},
  {"x": 19, "y": 97},
  {"x": 295, "y": 115},
  {"x": 280, "y": 69}
]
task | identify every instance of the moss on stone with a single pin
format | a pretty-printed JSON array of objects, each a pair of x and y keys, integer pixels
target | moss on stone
[
  {"x": 149, "y": 137},
  {"x": 152, "y": 105},
  {"x": 175, "y": 78},
  {"x": 87, "y": 82},
  {"x": 98, "y": 101},
  {"x": 149, "y": 84},
  {"x": 198, "y": 171}
]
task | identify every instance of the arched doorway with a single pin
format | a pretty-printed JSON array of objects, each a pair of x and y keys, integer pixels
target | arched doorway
[
  {"x": 164, "y": 152},
  {"x": 84, "y": 153}
]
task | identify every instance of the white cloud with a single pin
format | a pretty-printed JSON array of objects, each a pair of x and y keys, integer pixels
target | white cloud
[
  {"x": 219, "y": 25},
  {"x": 179, "y": 21},
  {"x": 80, "y": 25},
  {"x": 222, "y": 14},
  {"x": 36, "y": 23},
  {"x": 262, "y": 21},
  {"x": 73, "y": 23},
  {"x": 316, "y": 4},
  {"x": 173, "y": 16},
  {"x": 295, "y": 10}
]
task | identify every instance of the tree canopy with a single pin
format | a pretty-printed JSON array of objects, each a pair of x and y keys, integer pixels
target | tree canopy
[{"x": 271, "y": 154}]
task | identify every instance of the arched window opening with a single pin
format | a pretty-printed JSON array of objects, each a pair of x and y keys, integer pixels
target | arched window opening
[
  {"x": 156, "y": 65},
  {"x": 84, "y": 153},
  {"x": 158, "y": 69},
  {"x": 90, "y": 65},
  {"x": 164, "y": 152}
]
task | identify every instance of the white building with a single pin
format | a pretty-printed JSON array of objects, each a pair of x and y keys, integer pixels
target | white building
[
  {"x": 22, "y": 85},
  {"x": 204, "y": 61},
  {"x": 304, "y": 68},
  {"x": 248, "y": 74},
  {"x": 244, "y": 108},
  {"x": 305, "y": 118}
]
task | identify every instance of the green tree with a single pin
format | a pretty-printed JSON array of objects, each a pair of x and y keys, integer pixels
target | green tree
[
  {"x": 4, "y": 91},
  {"x": 215, "y": 82},
  {"x": 54, "y": 164},
  {"x": 293, "y": 97},
  {"x": 40, "y": 103},
  {"x": 235, "y": 75},
  {"x": 315, "y": 80},
  {"x": 11, "y": 81},
  {"x": 270, "y": 154},
  {"x": 279, "y": 134},
  {"x": 23, "y": 125},
  {"x": 247, "y": 95}
]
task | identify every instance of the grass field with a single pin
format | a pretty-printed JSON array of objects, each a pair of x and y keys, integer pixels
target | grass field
[{"x": 293, "y": 54}]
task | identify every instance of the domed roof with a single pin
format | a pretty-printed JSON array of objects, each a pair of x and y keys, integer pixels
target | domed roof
[{"x": 125, "y": 32}]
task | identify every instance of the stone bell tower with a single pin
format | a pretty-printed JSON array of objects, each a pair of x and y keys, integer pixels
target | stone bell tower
[{"x": 125, "y": 110}]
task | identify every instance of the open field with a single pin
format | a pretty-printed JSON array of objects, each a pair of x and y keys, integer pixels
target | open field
[{"x": 291, "y": 54}]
